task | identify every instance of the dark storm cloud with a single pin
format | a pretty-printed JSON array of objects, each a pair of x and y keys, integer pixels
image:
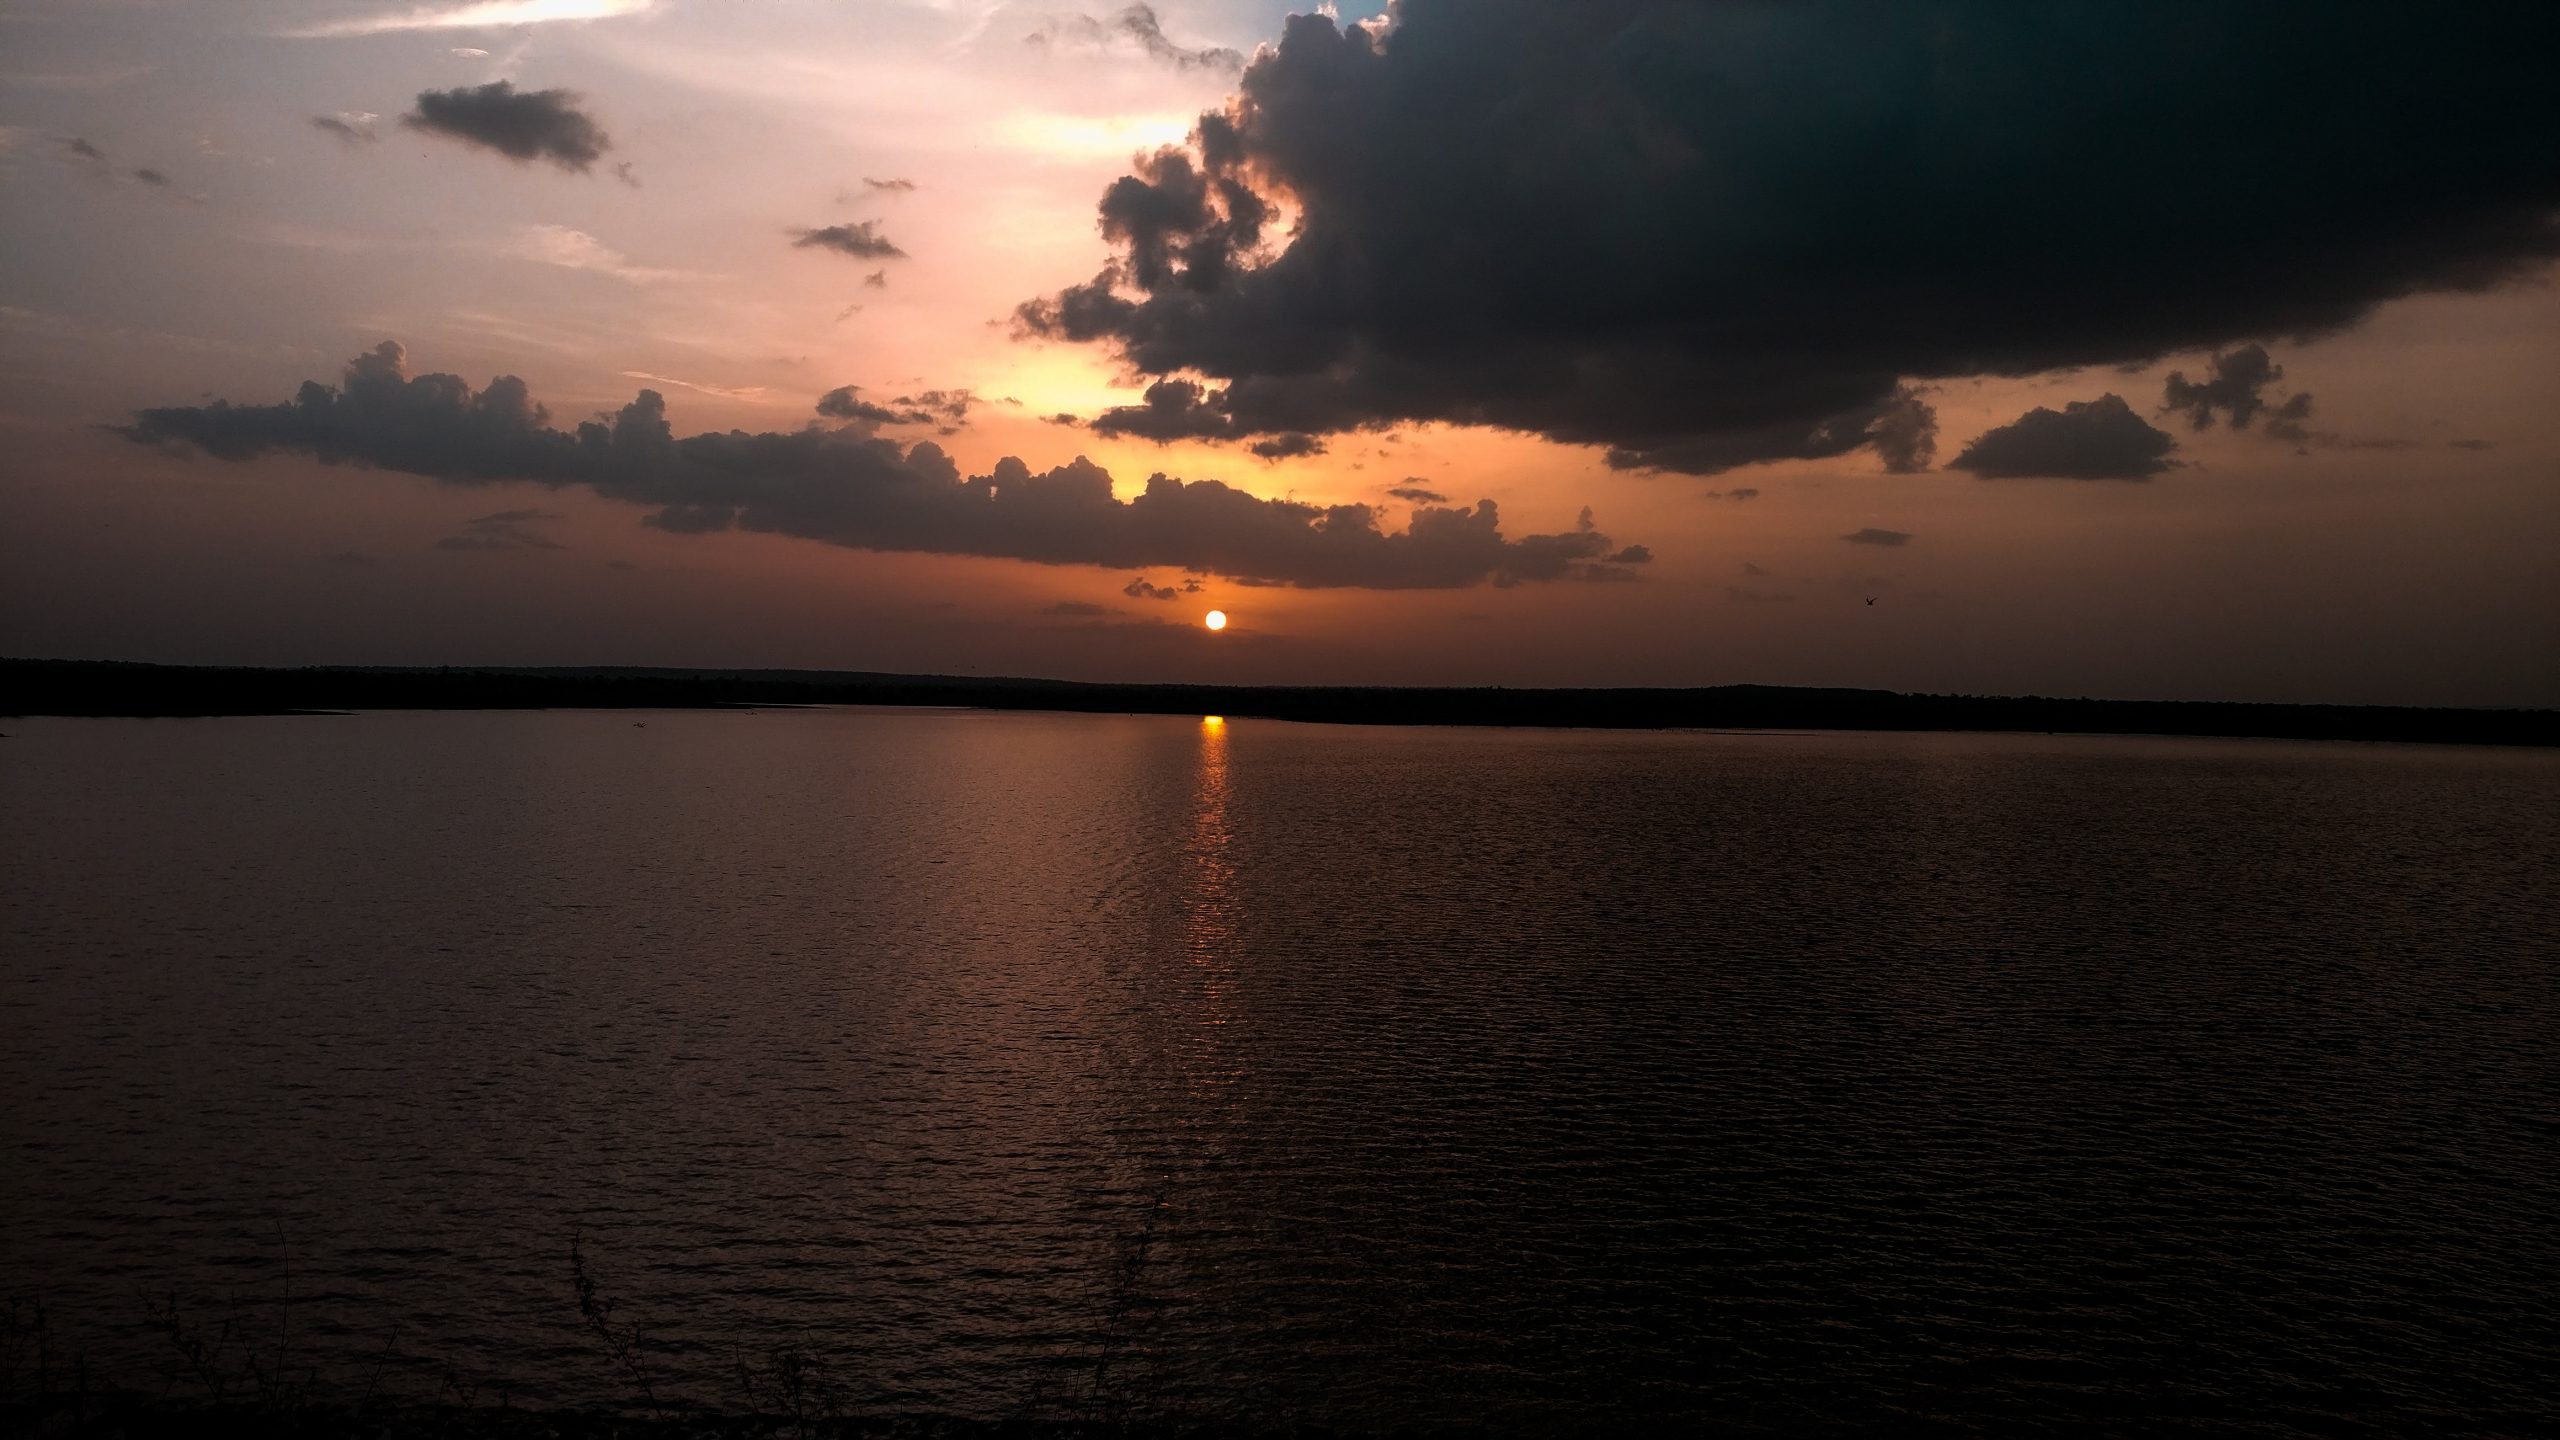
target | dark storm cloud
[
  {"x": 1136, "y": 23},
  {"x": 848, "y": 487},
  {"x": 523, "y": 125},
  {"x": 858, "y": 240},
  {"x": 2234, "y": 389},
  {"x": 1291, "y": 446},
  {"x": 345, "y": 131},
  {"x": 1873, "y": 536},
  {"x": 2099, "y": 439},
  {"x": 1417, "y": 492},
  {"x": 1706, "y": 235}
]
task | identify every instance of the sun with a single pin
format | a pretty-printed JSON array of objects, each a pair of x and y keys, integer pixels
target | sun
[{"x": 1215, "y": 620}]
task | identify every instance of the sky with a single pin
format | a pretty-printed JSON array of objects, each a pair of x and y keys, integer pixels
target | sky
[{"x": 2151, "y": 350}]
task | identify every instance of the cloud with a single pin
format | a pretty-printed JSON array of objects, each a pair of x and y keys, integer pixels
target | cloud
[
  {"x": 857, "y": 490},
  {"x": 577, "y": 250},
  {"x": 948, "y": 410},
  {"x": 2235, "y": 391},
  {"x": 1742, "y": 492},
  {"x": 1703, "y": 236},
  {"x": 725, "y": 392},
  {"x": 1142, "y": 589},
  {"x": 79, "y": 149},
  {"x": 1171, "y": 410},
  {"x": 1419, "y": 493},
  {"x": 151, "y": 177},
  {"x": 348, "y": 129},
  {"x": 1893, "y": 539},
  {"x": 1904, "y": 433},
  {"x": 523, "y": 125},
  {"x": 1291, "y": 446},
  {"x": 858, "y": 240},
  {"x": 472, "y": 15},
  {"x": 2099, "y": 439},
  {"x": 505, "y": 530},
  {"x": 1136, "y": 23},
  {"x": 895, "y": 186},
  {"x": 876, "y": 280}
]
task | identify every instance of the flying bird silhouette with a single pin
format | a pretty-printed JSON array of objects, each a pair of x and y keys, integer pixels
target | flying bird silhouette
[{"x": 1871, "y": 599}]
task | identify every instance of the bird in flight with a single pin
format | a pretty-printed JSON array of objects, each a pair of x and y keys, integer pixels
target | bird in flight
[{"x": 1871, "y": 599}]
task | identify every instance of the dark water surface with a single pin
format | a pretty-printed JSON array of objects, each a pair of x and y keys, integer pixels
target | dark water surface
[{"x": 1019, "y": 1064}]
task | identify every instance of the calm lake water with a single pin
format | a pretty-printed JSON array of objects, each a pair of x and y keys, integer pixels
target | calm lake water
[{"x": 1038, "y": 1065}]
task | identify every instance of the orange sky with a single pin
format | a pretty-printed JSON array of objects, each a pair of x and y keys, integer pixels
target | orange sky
[{"x": 2392, "y": 566}]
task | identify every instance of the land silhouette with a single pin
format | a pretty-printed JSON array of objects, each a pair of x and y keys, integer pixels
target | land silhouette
[{"x": 113, "y": 688}]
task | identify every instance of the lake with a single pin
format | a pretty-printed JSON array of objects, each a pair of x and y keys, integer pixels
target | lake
[{"x": 1031, "y": 1066}]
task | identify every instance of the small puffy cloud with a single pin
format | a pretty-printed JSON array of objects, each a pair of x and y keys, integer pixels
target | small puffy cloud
[
  {"x": 2099, "y": 439},
  {"x": 1170, "y": 410},
  {"x": 151, "y": 177},
  {"x": 846, "y": 487},
  {"x": 1142, "y": 589},
  {"x": 947, "y": 410},
  {"x": 1290, "y": 446},
  {"x": 2234, "y": 389},
  {"x": 346, "y": 129},
  {"x": 1891, "y": 539},
  {"x": 876, "y": 280},
  {"x": 1415, "y": 490},
  {"x": 523, "y": 125},
  {"x": 860, "y": 240}
]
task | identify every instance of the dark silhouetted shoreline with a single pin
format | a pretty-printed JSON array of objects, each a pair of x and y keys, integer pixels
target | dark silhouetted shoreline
[{"x": 112, "y": 688}]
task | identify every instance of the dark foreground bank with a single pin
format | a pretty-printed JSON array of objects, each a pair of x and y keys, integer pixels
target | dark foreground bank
[{"x": 80, "y": 687}]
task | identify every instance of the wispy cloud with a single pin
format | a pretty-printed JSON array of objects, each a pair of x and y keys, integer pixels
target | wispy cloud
[
  {"x": 475, "y": 15},
  {"x": 725, "y": 392},
  {"x": 572, "y": 249}
]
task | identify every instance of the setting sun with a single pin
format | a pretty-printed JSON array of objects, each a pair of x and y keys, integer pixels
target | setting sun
[{"x": 1215, "y": 620}]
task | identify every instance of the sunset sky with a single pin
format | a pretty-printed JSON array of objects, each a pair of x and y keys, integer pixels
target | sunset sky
[{"x": 2153, "y": 351}]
